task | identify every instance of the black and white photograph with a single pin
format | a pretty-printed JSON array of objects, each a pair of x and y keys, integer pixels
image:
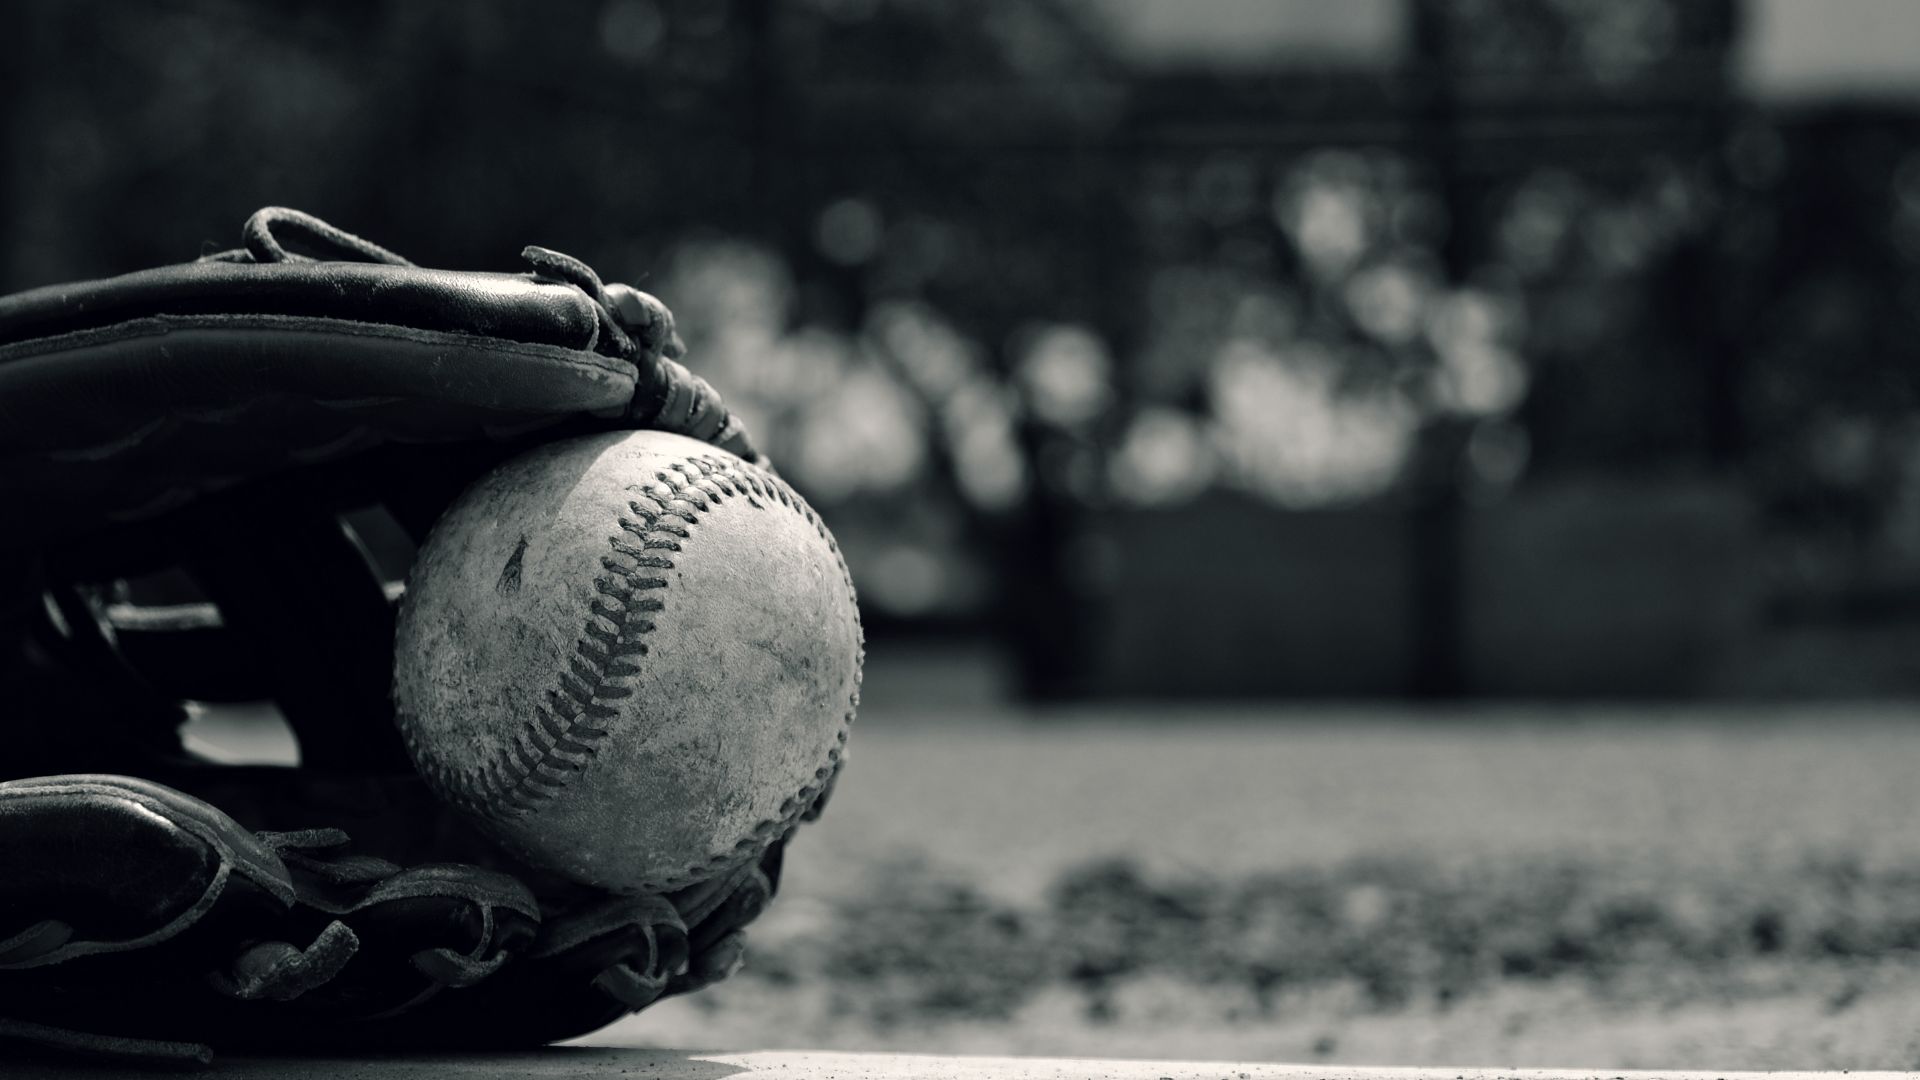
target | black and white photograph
[{"x": 960, "y": 539}]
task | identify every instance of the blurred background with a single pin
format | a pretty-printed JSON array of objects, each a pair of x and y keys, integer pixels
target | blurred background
[{"x": 1389, "y": 530}]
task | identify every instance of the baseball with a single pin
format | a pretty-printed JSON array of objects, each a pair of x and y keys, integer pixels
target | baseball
[{"x": 632, "y": 657}]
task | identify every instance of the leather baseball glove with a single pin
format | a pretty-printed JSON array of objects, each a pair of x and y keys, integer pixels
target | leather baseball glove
[{"x": 210, "y": 435}]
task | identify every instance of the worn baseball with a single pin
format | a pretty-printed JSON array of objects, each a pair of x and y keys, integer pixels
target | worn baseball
[{"x": 632, "y": 657}]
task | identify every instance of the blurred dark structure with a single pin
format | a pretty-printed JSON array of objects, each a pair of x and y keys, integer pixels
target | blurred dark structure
[{"x": 1400, "y": 346}]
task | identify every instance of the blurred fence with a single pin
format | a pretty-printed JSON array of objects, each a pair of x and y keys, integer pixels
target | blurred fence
[
  {"x": 1634, "y": 589},
  {"x": 1389, "y": 346}
]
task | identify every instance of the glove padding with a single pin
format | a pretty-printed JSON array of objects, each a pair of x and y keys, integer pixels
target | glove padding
[
  {"x": 125, "y": 397},
  {"x": 218, "y": 419}
]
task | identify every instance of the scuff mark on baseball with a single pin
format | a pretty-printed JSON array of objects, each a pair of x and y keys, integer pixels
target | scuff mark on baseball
[{"x": 668, "y": 683}]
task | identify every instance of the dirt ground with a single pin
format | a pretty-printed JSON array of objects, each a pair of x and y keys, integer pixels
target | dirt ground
[{"x": 1602, "y": 888}]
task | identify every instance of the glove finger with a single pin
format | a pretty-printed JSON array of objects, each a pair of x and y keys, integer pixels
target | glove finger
[
  {"x": 416, "y": 931},
  {"x": 130, "y": 892},
  {"x": 748, "y": 898},
  {"x": 151, "y": 390},
  {"x": 103, "y": 864},
  {"x": 628, "y": 948},
  {"x": 455, "y": 924},
  {"x": 720, "y": 960},
  {"x": 591, "y": 964},
  {"x": 644, "y": 932},
  {"x": 635, "y": 988}
]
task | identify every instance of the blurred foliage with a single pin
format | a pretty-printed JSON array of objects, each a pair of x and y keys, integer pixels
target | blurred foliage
[{"x": 971, "y": 274}]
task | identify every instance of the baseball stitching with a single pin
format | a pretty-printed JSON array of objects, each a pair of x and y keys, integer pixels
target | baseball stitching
[{"x": 560, "y": 741}]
